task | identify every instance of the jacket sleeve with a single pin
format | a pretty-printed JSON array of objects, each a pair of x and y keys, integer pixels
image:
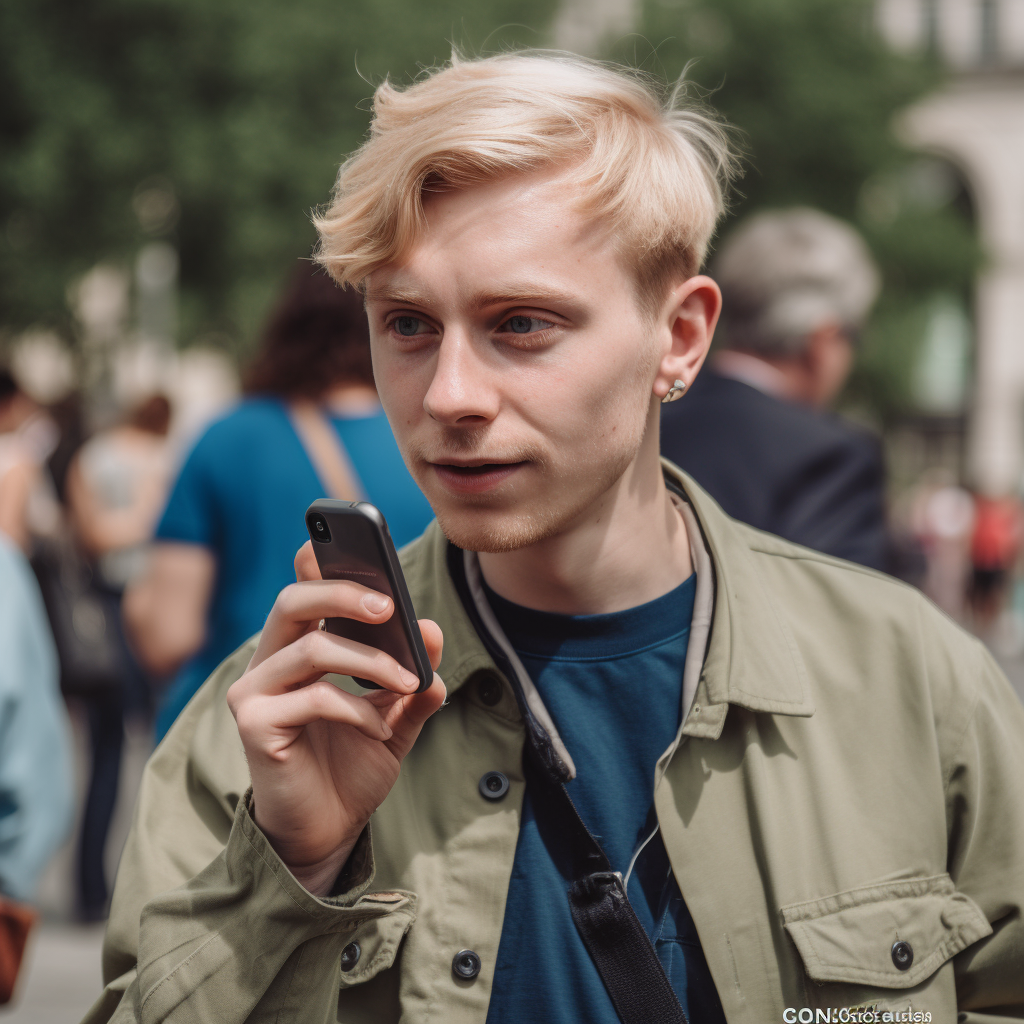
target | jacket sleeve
[
  {"x": 985, "y": 819},
  {"x": 207, "y": 923}
]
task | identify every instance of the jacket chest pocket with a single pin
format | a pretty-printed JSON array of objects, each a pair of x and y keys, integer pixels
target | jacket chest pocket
[{"x": 883, "y": 946}]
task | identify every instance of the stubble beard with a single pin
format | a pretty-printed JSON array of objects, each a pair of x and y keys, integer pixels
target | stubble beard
[{"x": 471, "y": 522}]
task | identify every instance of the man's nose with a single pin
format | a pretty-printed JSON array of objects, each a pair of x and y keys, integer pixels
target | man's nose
[{"x": 463, "y": 390}]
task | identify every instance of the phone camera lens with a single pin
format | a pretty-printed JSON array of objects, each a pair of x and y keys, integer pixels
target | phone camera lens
[{"x": 320, "y": 529}]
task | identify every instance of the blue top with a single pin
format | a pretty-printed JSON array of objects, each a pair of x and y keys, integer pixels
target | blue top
[
  {"x": 36, "y": 781},
  {"x": 613, "y": 685},
  {"x": 243, "y": 493}
]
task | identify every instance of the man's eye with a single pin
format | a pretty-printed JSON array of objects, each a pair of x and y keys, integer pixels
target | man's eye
[
  {"x": 408, "y": 326},
  {"x": 524, "y": 325}
]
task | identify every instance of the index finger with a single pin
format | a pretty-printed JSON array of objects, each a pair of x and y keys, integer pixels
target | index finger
[
  {"x": 306, "y": 567},
  {"x": 300, "y": 607}
]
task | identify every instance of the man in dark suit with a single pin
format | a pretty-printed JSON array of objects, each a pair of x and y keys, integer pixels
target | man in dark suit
[{"x": 754, "y": 430}]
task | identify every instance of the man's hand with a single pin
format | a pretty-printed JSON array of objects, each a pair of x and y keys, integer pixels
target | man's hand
[{"x": 322, "y": 760}]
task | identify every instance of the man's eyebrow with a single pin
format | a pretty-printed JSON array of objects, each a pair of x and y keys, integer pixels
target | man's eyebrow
[
  {"x": 409, "y": 297},
  {"x": 524, "y": 294}
]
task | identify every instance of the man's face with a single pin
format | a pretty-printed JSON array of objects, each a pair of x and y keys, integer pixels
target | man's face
[{"x": 513, "y": 362}]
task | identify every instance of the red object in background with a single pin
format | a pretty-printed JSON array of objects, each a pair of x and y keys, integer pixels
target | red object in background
[
  {"x": 995, "y": 542},
  {"x": 16, "y": 921}
]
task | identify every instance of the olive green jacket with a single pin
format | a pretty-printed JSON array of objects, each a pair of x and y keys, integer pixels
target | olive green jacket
[{"x": 849, "y": 774}]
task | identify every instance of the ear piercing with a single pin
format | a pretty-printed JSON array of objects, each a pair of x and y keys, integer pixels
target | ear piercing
[{"x": 676, "y": 391}]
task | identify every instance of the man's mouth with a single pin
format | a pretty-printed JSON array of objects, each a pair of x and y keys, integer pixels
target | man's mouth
[{"x": 474, "y": 476}]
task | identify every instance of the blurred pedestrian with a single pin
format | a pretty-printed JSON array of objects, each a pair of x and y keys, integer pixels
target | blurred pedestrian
[
  {"x": 116, "y": 487},
  {"x": 69, "y": 415},
  {"x": 995, "y": 547},
  {"x": 35, "y": 755},
  {"x": 311, "y": 426},
  {"x": 942, "y": 521},
  {"x": 797, "y": 286},
  {"x": 28, "y": 436}
]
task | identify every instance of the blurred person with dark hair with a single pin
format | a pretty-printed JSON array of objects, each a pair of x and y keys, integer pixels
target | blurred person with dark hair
[
  {"x": 312, "y": 425},
  {"x": 28, "y": 436},
  {"x": 116, "y": 486},
  {"x": 797, "y": 286}
]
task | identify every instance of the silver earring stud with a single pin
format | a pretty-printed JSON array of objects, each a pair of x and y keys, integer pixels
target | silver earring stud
[{"x": 676, "y": 391}]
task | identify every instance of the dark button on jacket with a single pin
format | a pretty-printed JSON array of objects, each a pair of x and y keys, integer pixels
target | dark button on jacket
[
  {"x": 902, "y": 955},
  {"x": 466, "y": 964},
  {"x": 489, "y": 689},
  {"x": 350, "y": 956},
  {"x": 493, "y": 785}
]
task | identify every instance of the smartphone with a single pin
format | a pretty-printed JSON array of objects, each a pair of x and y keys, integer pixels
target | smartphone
[{"x": 351, "y": 542}]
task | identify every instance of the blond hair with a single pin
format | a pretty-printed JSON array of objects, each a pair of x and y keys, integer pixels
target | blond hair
[{"x": 654, "y": 167}]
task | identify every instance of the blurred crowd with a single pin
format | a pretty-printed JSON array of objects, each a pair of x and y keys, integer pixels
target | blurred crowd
[
  {"x": 132, "y": 565},
  {"x": 81, "y": 509}
]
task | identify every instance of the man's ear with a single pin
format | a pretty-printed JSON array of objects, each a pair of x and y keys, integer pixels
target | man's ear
[{"x": 688, "y": 319}]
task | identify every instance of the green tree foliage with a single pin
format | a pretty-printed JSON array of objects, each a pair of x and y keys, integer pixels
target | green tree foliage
[
  {"x": 814, "y": 93},
  {"x": 218, "y": 125}
]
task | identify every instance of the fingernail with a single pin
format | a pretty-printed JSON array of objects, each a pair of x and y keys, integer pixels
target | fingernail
[
  {"x": 410, "y": 678},
  {"x": 375, "y": 603},
  {"x": 387, "y": 730}
]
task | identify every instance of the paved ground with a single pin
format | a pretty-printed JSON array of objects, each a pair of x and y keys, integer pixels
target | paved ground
[{"x": 61, "y": 976}]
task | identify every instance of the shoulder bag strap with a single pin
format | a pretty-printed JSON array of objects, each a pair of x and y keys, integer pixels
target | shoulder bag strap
[
  {"x": 621, "y": 950},
  {"x": 325, "y": 451}
]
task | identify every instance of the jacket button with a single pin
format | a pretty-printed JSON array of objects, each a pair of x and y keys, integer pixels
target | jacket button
[
  {"x": 493, "y": 786},
  {"x": 350, "y": 956},
  {"x": 902, "y": 955},
  {"x": 489, "y": 690},
  {"x": 466, "y": 964}
]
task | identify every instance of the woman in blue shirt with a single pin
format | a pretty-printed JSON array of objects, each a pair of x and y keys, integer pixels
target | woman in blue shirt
[{"x": 310, "y": 427}]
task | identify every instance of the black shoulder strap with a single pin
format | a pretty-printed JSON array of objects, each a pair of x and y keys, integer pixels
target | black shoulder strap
[{"x": 615, "y": 939}]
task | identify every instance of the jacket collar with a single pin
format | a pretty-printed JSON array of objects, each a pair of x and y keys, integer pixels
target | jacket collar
[{"x": 751, "y": 657}]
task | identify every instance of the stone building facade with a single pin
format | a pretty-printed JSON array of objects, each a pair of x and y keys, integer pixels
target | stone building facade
[{"x": 976, "y": 122}]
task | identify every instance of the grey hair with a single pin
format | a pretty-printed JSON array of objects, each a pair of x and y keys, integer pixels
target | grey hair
[{"x": 786, "y": 273}]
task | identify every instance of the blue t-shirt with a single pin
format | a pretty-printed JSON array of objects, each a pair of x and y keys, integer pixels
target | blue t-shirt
[
  {"x": 243, "y": 493},
  {"x": 613, "y": 685}
]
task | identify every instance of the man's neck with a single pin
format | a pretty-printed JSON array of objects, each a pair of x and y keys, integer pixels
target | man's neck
[{"x": 629, "y": 548}]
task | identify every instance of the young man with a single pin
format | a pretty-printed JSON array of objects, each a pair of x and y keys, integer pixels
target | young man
[{"x": 809, "y": 783}]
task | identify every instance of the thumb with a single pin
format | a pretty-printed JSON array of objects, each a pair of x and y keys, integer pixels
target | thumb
[{"x": 433, "y": 641}]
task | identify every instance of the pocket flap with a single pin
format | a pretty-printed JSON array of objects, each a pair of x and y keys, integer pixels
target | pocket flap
[{"x": 849, "y": 937}]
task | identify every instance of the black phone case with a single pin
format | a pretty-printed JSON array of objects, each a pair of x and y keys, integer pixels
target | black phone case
[{"x": 361, "y": 549}]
